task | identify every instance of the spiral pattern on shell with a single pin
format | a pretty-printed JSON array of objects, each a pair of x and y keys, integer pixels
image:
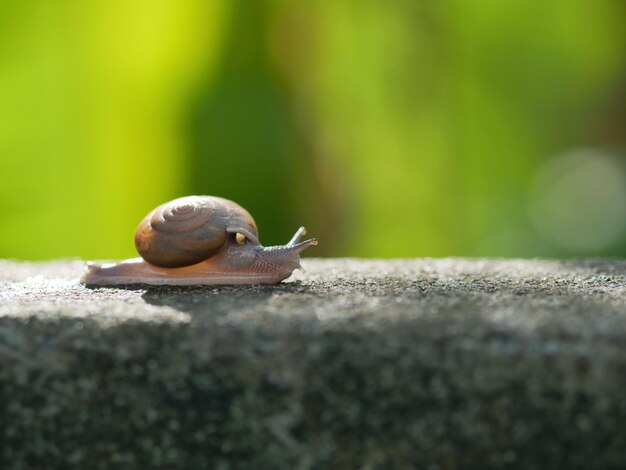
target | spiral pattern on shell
[{"x": 189, "y": 230}]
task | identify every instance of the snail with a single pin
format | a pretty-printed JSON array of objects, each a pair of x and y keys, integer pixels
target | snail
[{"x": 201, "y": 240}]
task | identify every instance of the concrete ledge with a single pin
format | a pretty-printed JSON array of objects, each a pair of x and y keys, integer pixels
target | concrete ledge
[{"x": 446, "y": 364}]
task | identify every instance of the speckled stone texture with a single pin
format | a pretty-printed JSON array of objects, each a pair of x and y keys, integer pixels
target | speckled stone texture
[{"x": 428, "y": 364}]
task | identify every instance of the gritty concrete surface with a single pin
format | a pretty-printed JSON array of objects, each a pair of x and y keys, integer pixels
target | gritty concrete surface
[{"x": 428, "y": 364}]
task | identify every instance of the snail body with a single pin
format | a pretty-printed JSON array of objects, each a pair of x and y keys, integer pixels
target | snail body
[{"x": 200, "y": 240}]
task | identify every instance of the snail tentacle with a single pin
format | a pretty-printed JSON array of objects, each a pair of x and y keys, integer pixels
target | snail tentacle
[{"x": 296, "y": 237}]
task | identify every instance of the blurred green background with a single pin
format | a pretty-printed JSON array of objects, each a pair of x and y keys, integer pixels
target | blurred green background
[{"x": 396, "y": 128}]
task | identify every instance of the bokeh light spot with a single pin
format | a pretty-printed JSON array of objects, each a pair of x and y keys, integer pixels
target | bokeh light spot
[{"x": 578, "y": 201}]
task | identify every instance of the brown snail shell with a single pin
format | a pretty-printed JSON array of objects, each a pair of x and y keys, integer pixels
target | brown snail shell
[{"x": 191, "y": 229}]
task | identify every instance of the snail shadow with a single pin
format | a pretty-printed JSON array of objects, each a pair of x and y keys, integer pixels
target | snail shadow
[{"x": 217, "y": 301}]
